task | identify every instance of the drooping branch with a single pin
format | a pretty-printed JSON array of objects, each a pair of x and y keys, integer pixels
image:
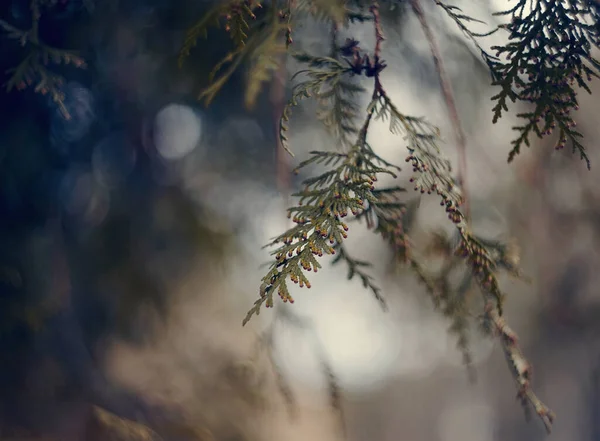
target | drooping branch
[
  {"x": 519, "y": 365},
  {"x": 448, "y": 95},
  {"x": 347, "y": 185}
]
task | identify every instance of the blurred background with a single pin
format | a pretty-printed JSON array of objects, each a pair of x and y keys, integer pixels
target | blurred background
[{"x": 130, "y": 251}]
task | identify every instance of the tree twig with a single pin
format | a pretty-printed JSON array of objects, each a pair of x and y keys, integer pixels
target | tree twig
[
  {"x": 448, "y": 95},
  {"x": 282, "y": 160},
  {"x": 520, "y": 367}
]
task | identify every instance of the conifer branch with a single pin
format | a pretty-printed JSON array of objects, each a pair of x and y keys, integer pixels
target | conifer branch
[
  {"x": 520, "y": 367},
  {"x": 325, "y": 10},
  {"x": 549, "y": 53},
  {"x": 325, "y": 200},
  {"x": 347, "y": 184},
  {"x": 33, "y": 70},
  {"x": 338, "y": 110},
  {"x": 446, "y": 87},
  {"x": 266, "y": 59},
  {"x": 323, "y": 73},
  {"x": 461, "y": 20},
  {"x": 355, "y": 269},
  {"x": 258, "y": 41}
]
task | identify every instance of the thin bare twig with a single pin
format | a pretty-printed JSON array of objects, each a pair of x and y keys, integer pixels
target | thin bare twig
[
  {"x": 448, "y": 95},
  {"x": 282, "y": 161}
]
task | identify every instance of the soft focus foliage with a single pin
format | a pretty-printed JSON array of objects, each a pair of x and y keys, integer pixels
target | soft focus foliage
[{"x": 132, "y": 219}]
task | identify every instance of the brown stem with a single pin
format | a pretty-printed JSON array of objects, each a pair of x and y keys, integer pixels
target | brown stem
[
  {"x": 379, "y": 38},
  {"x": 282, "y": 160},
  {"x": 450, "y": 103},
  {"x": 519, "y": 365},
  {"x": 377, "y": 88},
  {"x": 35, "y": 20}
]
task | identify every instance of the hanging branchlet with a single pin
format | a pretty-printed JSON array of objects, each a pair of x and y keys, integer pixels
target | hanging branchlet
[
  {"x": 451, "y": 299},
  {"x": 346, "y": 188},
  {"x": 237, "y": 16},
  {"x": 485, "y": 259},
  {"x": 326, "y": 200},
  {"x": 520, "y": 367},
  {"x": 258, "y": 40},
  {"x": 462, "y": 20},
  {"x": 324, "y": 81},
  {"x": 338, "y": 109},
  {"x": 265, "y": 60},
  {"x": 391, "y": 217},
  {"x": 357, "y": 268},
  {"x": 33, "y": 70},
  {"x": 549, "y": 54}
]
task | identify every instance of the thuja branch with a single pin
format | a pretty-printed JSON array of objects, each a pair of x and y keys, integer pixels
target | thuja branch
[
  {"x": 434, "y": 176},
  {"x": 338, "y": 110},
  {"x": 519, "y": 365},
  {"x": 356, "y": 268},
  {"x": 33, "y": 69},
  {"x": 548, "y": 56},
  {"x": 549, "y": 53},
  {"x": 347, "y": 182},
  {"x": 324, "y": 202}
]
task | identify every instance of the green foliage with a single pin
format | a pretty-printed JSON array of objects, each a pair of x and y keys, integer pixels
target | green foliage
[
  {"x": 347, "y": 185},
  {"x": 324, "y": 80},
  {"x": 324, "y": 202},
  {"x": 324, "y": 10},
  {"x": 548, "y": 57},
  {"x": 338, "y": 110},
  {"x": 261, "y": 41},
  {"x": 549, "y": 54},
  {"x": 266, "y": 59},
  {"x": 33, "y": 69},
  {"x": 258, "y": 40}
]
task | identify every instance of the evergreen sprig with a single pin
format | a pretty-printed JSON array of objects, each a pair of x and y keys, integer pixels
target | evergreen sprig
[
  {"x": 451, "y": 299},
  {"x": 462, "y": 20},
  {"x": 33, "y": 69},
  {"x": 237, "y": 15},
  {"x": 548, "y": 54},
  {"x": 258, "y": 40},
  {"x": 485, "y": 259},
  {"x": 338, "y": 110},
  {"x": 326, "y": 199},
  {"x": 356, "y": 268},
  {"x": 267, "y": 57},
  {"x": 388, "y": 216},
  {"x": 348, "y": 183},
  {"x": 324, "y": 80},
  {"x": 324, "y": 10}
]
